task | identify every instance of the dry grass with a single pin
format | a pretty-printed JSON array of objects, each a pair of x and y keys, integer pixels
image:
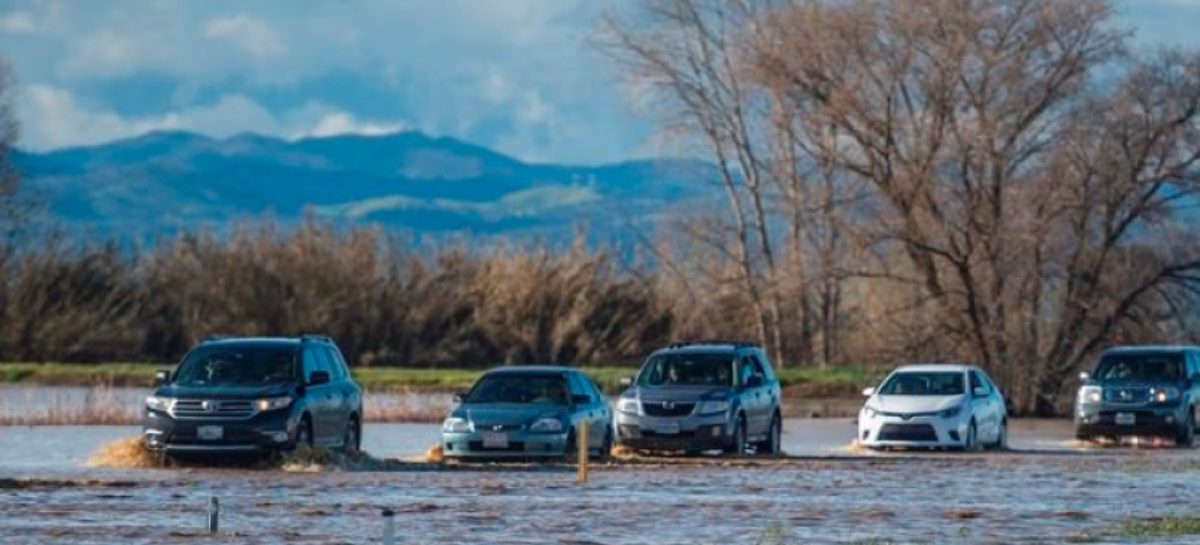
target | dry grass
[{"x": 99, "y": 406}]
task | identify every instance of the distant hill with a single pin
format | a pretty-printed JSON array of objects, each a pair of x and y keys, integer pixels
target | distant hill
[{"x": 163, "y": 182}]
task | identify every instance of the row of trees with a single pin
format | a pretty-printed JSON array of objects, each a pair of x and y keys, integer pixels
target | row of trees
[{"x": 1000, "y": 181}]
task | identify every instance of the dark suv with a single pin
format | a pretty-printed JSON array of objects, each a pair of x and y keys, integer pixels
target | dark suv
[
  {"x": 1141, "y": 391},
  {"x": 702, "y": 396},
  {"x": 246, "y": 395}
]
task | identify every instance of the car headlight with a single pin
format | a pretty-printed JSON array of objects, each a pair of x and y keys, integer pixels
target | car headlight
[
  {"x": 628, "y": 405},
  {"x": 951, "y": 412},
  {"x": 455, "y": 424},
  {"x": 272, "y": 403},
  {"x": 714, "y": 406},
  {"x": 546, "y": 425},
  {"x": 159, "y": 403},
  {"x": 869, "y": 412},
  {"x": 1163, "y": 395},
  {"x": 1089, "y": 394}
]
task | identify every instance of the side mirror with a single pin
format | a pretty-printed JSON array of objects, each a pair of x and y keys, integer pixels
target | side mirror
[
  {"x": 459, "y": 397},
  {"x": 979, "y": 391},
  {"x": 1084, "y": 376},
  {"x": 626, "y": 381},
  {"x": 580, "y": 399},
  {"x": 161, "y": 377},
  {"x": 754, "y": 381},
  {"x": 318, "y": 378},
  {"x": 868, "y": 391}
]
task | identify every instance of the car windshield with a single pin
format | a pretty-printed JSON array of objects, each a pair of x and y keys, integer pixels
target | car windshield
[
  {"x": 520, "y": 388},
  {"x": 926, "y": 383},
  {"x": 237, "y": 366},
  {"x": 1140, "y": 367},
  {"x": 688, "y": 370}
]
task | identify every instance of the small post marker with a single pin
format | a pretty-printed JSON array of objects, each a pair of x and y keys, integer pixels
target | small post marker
[
  {"x": 389, "y": 527},
  {"x": 214, "y": 514},
  {"x": 581, "y": 475}
]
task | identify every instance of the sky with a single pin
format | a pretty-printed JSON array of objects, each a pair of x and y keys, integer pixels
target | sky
[{"x": 518, "y": 76}]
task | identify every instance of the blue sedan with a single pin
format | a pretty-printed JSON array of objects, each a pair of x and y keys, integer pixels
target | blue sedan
[{"x": 528, "y": 412}]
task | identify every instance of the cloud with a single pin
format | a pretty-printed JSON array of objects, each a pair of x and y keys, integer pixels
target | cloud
[
  {"x": 53, "y": 118},
  {"x": 17, "y": 22},
  {"x": 251, "y": 35}
]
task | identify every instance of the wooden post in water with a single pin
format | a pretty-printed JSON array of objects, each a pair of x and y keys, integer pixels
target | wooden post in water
[
  {"x": 581, "y": 439},
  {"x": 214, "y": 515}
]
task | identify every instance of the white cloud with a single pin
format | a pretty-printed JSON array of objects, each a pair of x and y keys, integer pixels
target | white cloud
[
  {"x": 17, "y": 22},
  {"x": 251, "y": 35},
  {"x": 52, "y": 118}
]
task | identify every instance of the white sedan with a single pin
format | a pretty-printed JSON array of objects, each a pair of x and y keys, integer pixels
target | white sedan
[{"x": 934, "y": 405}]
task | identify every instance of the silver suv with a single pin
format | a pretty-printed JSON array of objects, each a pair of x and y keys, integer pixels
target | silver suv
[{"x": 702, "y": 396}]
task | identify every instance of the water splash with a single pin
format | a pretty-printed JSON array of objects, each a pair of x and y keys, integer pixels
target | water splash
[{"x": 124, "y": 453}]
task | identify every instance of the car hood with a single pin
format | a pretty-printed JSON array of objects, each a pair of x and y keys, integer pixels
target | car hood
[
  {"x": 651, "y": 394},
  {"x": 224, "y": 392},
  {"x": 505, "y": 414},
  {"x": 914, "y": 404}
]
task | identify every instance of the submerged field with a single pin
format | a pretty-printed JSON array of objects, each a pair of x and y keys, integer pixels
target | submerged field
[{"x": 1046, "y": 490}]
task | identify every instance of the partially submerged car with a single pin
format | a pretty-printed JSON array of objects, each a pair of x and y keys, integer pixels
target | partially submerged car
[
  {"x": 255, "y": 395},
  {"x": 1138, "y": 391},
  {"x": 701, "y": 396},
  {"x": 934, "y": 405},
  {"x": 528, "y": 412}
]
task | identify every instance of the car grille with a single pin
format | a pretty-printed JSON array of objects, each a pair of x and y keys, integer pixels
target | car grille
[
  {"x": 907, "y": 432},
  {"x": 667, "y": 408},
  {"x": 1127, "y": 395},
  {"x": 498, "y": 427},
  {"x": 212, "y": 408}
]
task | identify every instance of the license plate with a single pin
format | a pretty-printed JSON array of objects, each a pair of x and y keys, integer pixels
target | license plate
[
  {"x": 1126, "y": 419},
  {"x": 670, "y": 428},
  {"x": 210, "y": 433},
  {"x": 495, "y": 439}
]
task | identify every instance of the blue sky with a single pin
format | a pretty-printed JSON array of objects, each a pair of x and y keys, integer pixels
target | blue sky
[{"x": 518, "y": 76}]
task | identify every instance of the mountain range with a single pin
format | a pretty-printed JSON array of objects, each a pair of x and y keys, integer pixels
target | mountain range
[{"x": 165, "y": 182}]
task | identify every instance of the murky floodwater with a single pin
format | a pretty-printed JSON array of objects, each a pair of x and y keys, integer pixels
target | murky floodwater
[{"x": 1048, "y": 490}]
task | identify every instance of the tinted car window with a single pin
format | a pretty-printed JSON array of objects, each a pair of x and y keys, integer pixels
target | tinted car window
[
  {"x": 237, "y": 366},
  {"x": 768, "y": 372},
  {"x": 688, "y": 370},
  {"x": 1140, "y": 367},
  {"x": 578, "y": 387},
  {"x": 520, "y": 388},
  {"x": 336, "y": 372},
  {"x": 313, "y": 362},
  {"x": 977, "y": 381},
  {"x": 933, "y": 383}
]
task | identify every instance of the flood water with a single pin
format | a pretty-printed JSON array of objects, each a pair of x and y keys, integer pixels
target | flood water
[{"x": 1046, "y": 490}]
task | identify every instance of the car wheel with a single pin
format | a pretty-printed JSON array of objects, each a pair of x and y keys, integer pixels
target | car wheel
[
  {"x": 737, "y": 445},
  {"x": 304, "y": 435},
  {"x": 972, "y": 443},
  {"x": 571, "y": 451},
  {"x": 353, "y": 439},
  {"x": 1187, "y": 433},
  {"x": 774, "y": 438}
]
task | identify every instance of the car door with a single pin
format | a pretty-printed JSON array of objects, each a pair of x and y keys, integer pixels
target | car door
[
  {"x": 318, "y": 395},
  {"x": 603, "y": 420},
  {"x": 752, "y": 396},
  {"x": 339, "y": 406},
  {"x": 585, "y": 411}
]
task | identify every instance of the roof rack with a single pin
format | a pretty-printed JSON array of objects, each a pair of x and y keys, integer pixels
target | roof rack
[
  {"x": 219, "y": 337},
  {"x": 315, "y": 337},
  {"x": 735, "y": 344}
]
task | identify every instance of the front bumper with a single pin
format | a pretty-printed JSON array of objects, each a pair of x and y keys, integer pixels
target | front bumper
[
  {"x": 1148, "y": 420},
  {"x": 269, "y": 431},
  {"x": 916, "y": 431},
  {"x": 686, "y": 433},
  {"x": 521, "y": 444}
]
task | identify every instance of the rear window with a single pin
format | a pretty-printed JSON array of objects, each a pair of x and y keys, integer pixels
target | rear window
[
  {"x": 1140, "y": 367},
  {"x": 932, "y": 383},
  {"x": 237, "y": 366},
  {"x": 521, "y": 388}
]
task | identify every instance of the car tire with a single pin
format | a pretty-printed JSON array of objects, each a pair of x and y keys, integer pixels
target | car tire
[
  {"x": 571, "y": 451},
  {"x": 737, "y": 443},
  {"x": 1186, "y": 434},
  {"x": 606, "y": 447},
  {"x": 304, "y": 434},
  {"x": 353, "y": 438},
  {"x": 774, "y": 437},
  {"x": 972, "y": 442}
]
